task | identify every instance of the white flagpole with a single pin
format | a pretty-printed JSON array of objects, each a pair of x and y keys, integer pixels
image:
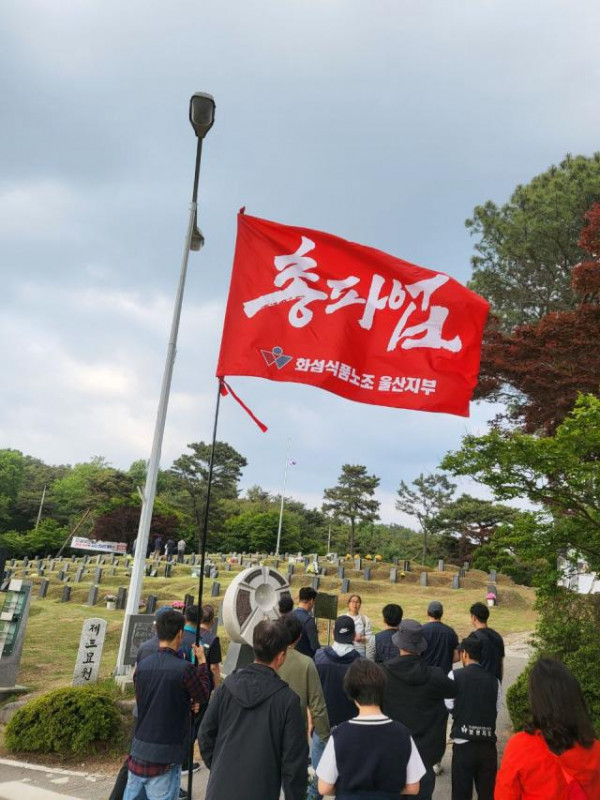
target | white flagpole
[{"x": 287, "y": 461}]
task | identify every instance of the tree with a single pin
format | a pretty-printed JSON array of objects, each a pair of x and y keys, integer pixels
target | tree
[
  {"x": 12, "y": 471},
  {"x": 352, "y": 498},
  {"x": 468, "y": 523},
  {"x": 539, "y": 368},
  {"x": 528, "y": 247},
  {"x": 559, "y": 474},
  {"x": 189, "y": 475},
  {"x": 430, "y": 495}
]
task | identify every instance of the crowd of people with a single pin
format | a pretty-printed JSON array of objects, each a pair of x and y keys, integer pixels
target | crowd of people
[{"x": 369, "y": 713}]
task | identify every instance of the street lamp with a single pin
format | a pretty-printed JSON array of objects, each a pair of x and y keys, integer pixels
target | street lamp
[{"x": 202, "y": 117}]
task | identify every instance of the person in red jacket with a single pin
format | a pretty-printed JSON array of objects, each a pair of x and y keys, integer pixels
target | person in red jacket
[{"x": 558, "y": 756}]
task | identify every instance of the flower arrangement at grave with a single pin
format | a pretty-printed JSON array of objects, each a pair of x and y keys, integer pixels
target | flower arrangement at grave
[
  {"x": 178, "y": 605},
  {"x": 369, "y": 557},
  {"x": 378, "y": 557}
]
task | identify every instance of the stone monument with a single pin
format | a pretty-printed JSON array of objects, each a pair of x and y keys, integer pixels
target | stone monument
[
  {"x": 89, "y": 655},
  {"x": 252, "y": 596}
]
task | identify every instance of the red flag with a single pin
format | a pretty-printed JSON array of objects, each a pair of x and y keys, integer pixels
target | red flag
[{"x": 308, "y": 307}]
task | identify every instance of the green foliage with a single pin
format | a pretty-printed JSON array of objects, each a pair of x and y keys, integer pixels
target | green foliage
[
  {"x": 567, "y": 630},
  {"x": 352, "y": 499},
  {"x": 560, "y": 473},
  {"x": 528, "y": 247},
  {"x": 73, "y": 720},
  {"x": 47, "y": 538},
  {"x": 12, "y": 470}
]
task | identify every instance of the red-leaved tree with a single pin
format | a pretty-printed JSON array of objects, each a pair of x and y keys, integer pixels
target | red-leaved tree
[{"x": 539, "y": 369}]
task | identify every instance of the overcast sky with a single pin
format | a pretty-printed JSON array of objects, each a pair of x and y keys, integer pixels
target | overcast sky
[{"x": 384, "y": 122}]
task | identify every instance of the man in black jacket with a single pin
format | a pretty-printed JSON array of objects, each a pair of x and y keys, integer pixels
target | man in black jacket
[
  {"x": 253, "y": 736},
  {"x": 415, "y": 696},
  {"x": 309, "y": 641},
  {"x": 474, "y": 756}
]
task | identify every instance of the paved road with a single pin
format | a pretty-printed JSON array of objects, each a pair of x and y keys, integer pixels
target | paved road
[{"x": 19, "y": 781}]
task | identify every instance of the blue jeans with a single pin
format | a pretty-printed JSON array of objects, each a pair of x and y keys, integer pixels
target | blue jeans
[
  {"x": 163, "y": 787},
  {"x": 316, "y": 751}
]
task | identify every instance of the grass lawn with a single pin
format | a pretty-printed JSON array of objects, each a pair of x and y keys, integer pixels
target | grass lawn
[{"x": 54, "y": 628}]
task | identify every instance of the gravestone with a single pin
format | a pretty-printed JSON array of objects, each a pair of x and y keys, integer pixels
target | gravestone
[
  {"x": 345, "y": 586},
  {"x": 462, "y": 572},
  {"x": 492, "y": 574},
  {"x": 188, "y": 600},
  {"x": 406, "y": 566},
  {"x": 455, "y": 582},
  {"x": 89, "y": 655},
  {"x": 153, "y": 572},
  {"x": 151, "y": 604},
  {"x": 121, "y": 597},
  {"x": 306, "y": 561},
  {"x": 93, "y": 596},
  {"x": 227, "y": 567},
  {"x": 276, "y": 564},
  {"x": 216, "y": 588},
  {"x": 14, "y": 602},
  {"x": 168, "y": 569},
  {"x": 315, "y": 583},
  {"x": 440, "y": 565},
  {"x": 25, "y": 561},
  {"x": 466, "y": 565},
  {"x": 141, "y": 628},
  {"x": 395, "y": 560},
  {"x": 98, "y": 575},
  {"x": 61, "y": 575},
  {"x": 73, "y": 559},
  {"x": 41, "y": 572},
  {"x": 39, "y": 564},
  {"x": 367, "y": 573},
  {"x": 66, "y": 594},
  {"x": 79, "y": 574},
  {"x": 341, "y": 572},
  {"x": 393, "y": 574},
  {"x": 357, "y": 564},
  {"x": 424, "y": 579},
  {"x": 43, "y": 591},
  {"x": 51, "y": 565},
  {"x": 214, "y": 573},
  {"x": 113, "y": 572},
  {"x": 290, "y": 569}
]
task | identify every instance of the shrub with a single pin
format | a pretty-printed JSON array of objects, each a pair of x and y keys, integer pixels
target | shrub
[
  {"x": 73, "y": 720},
  {"x": 567, "y": 630}
]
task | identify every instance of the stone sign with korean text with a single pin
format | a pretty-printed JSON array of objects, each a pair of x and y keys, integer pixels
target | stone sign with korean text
[{"x": 89, "y": 655}]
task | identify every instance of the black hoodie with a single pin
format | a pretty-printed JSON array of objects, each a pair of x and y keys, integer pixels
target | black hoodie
[
  {"x": 414, "y": 695},
  {"x": 253, "y": 738}
]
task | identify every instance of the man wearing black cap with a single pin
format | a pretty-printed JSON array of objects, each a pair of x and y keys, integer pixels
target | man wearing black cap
[
  {"x": 332, "y": 663},
  {"x": 415, "y": 696},
  {"x": 474, "y": 711}
]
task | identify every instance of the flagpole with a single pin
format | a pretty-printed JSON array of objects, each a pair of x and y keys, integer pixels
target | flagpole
[
  {"x": 287, "y": 461},
  {"x": 202, "y": 543}
]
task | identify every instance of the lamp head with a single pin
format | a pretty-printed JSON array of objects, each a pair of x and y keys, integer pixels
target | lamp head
[{"x": 202, "y": 113}]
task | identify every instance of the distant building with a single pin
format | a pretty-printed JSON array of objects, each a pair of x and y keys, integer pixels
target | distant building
[{"x": 576, "y": 575}]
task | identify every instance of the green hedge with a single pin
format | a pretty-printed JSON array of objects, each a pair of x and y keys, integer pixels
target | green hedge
[
  {"x": 568, "y": 630},
  {"x": 68, "y": 721}
]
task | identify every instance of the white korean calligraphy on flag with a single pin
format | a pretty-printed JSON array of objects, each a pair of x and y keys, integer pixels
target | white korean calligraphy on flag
[{"x": 309, "y": 307}]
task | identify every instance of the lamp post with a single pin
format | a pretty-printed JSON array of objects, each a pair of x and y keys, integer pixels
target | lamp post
[{"x": 202, "y": 116}]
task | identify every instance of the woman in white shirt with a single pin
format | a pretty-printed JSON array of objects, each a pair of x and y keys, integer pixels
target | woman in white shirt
[{"x": 364, "y": 633}]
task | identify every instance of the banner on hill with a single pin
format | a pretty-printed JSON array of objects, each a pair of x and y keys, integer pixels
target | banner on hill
[{"x": 308, "y": 307}]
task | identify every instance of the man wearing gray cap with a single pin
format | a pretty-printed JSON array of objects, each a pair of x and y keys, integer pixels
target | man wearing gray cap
[
  {"x": 415, "y": 695},
  {"x": 442, "y": 641}
]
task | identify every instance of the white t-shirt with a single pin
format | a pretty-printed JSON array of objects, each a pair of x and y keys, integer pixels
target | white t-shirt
[{"x": 328, "y": 771}]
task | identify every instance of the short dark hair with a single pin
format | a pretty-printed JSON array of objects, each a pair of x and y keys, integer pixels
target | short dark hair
[
  {"x": 169, "y": 624},
  {"x": 558, "y": 707},
  {"x": 472, "y": 647},
  {"x": 480, "y": 612},
  {"x": 293, "y": 626},
  {"x": 191, "y": 614},
  {"x": 364, "y": 682},
  {"x": 306, "y": 593},
  {"x": 392, "y": 614},
  {"x": 285, "y": 604},
  {"x": 269, "y": 639},
  {"x": 208, "y": 614}
]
